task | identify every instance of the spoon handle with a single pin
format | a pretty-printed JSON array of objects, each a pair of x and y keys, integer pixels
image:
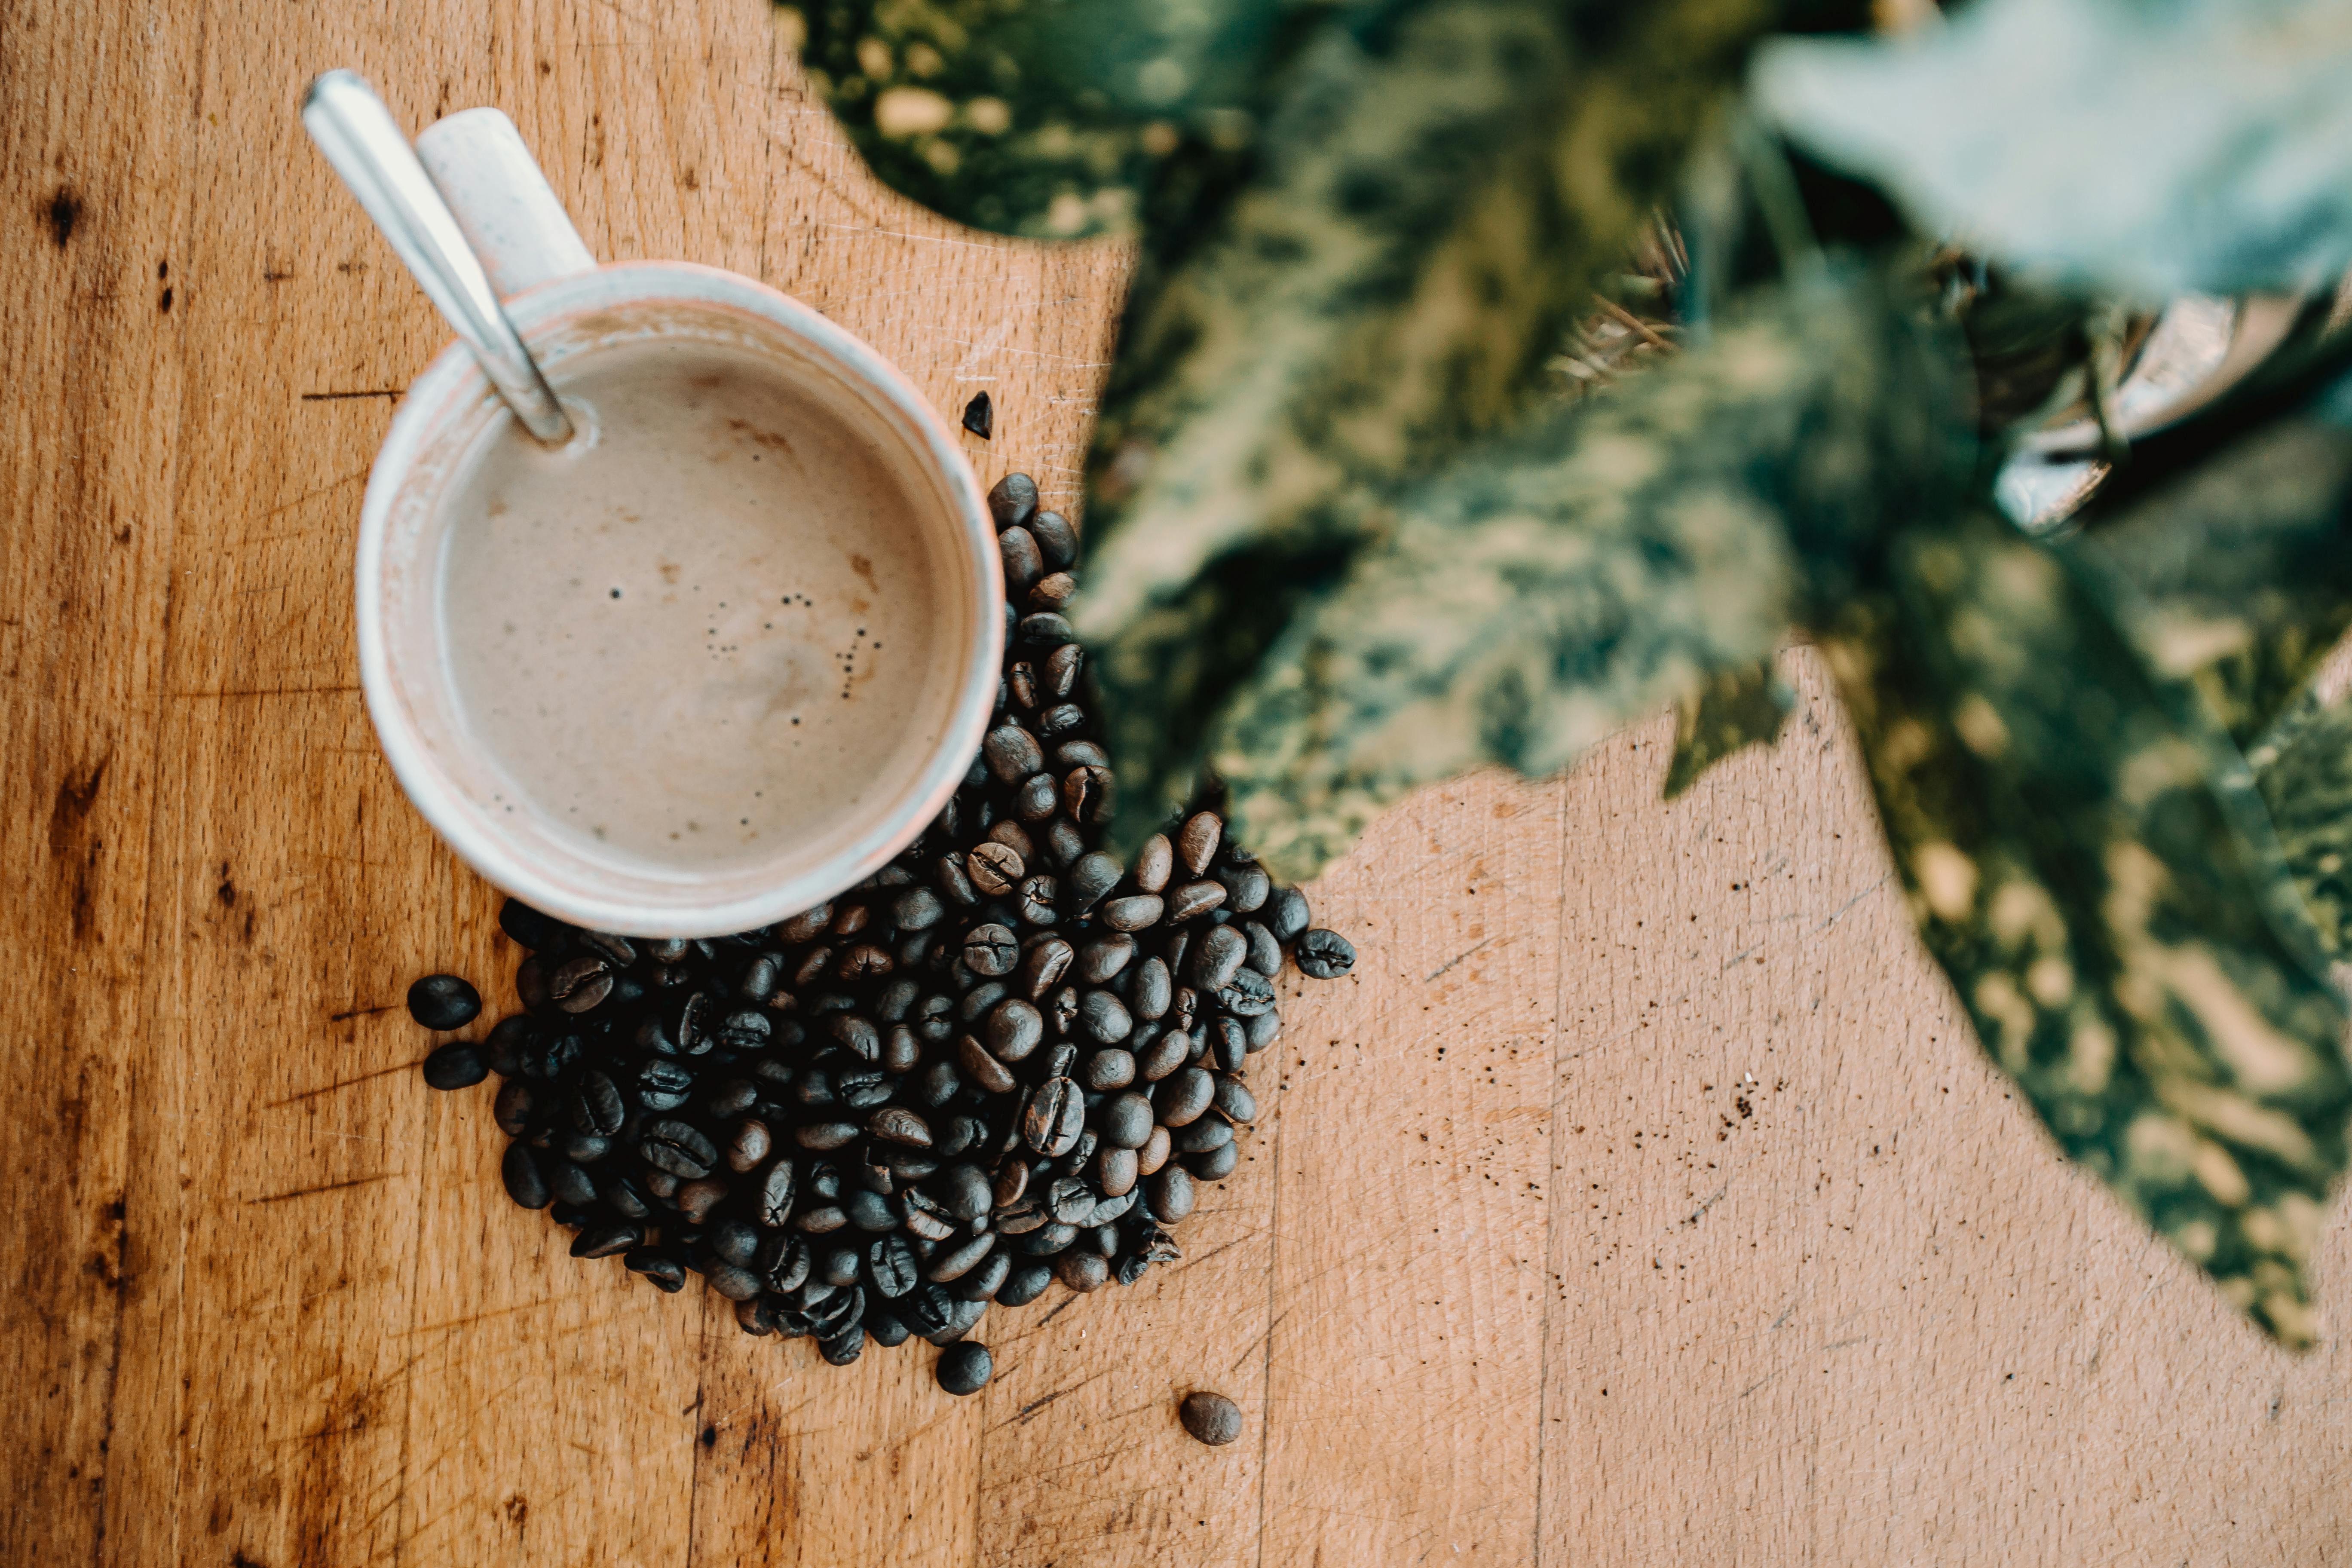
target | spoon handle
[{"x": 356, "y": 133}]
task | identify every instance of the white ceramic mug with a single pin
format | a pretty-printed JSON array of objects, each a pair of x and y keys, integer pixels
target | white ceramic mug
[{"x": 564, "y": 305}]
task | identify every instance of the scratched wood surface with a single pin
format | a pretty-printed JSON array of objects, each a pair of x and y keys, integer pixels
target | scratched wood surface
[{"x": 1641, "y": 1198}]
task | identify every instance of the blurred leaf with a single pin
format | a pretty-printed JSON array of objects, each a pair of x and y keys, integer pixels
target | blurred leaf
[
  {"x": 1436, "y": 194},
  {"x": 1546, "y": 589},
  {"x": 2236, "y": 576},
  {"x": 2087, "y": 890},
  {"x": 2162, "y": 148},
  {"x": 2304, "y": 768},
  {"x": 1735, "y": 708},
  {"x": 1056, "y": 117}
]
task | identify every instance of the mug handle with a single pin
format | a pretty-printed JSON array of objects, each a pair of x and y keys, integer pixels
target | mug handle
[{"x": 507, "y": 211}]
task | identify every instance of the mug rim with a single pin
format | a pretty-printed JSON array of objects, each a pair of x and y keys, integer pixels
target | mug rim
[{"x": 452, "y": 384}]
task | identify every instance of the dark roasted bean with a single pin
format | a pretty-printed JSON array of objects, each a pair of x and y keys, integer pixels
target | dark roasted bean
[
  {"x": 586, "y": 1148},
  {"x": 663, "y": 1084},
  {"x": 1212, "y": 962},
  {"x": 1062, "y": 717},
  {"x": 1086, "y": 795},
  {"x": 1011, "y": 753},
  {"x": 891, "y": 1265},
  {"x": 962, "y": 1189},
  {"x": 1246, "y": 887},
  {"x": 579, "y": 984},
  {"x": 990, "y": 950},
  {"x": 1082, "y": 1271},
  {"x": 1124, "y": 1120},
  {"x": 1170, "y": 1193},
  {"x": 1164, "y": 1056},
  {"x": 678, "y": 1148},
  {"x": 1155, "y": 1152},
  {"x": 1064, "y": 845},
  {"x": 1023, "y": 565},
  {"x": 748, "y": 1142},
  {"x": 1041, "y": 629},
  {"x": 1137, "y": 911},
  {"x": 608, "y": 1239},
  {"x": 1056, "y": 540},
  {"x": 1038, "y": 798},
  {"x": 1246, "y": 995},
  {"x": 1153, "y": 992},
  {"x": 460, "y": 1064},
  {"x": 596, "y": 1104},
  {"x": 1108, "y": 1070},
  {"x": 530, "y": 929},
  {"x": 925, "y": 1217},
  {"x": 446, "y": 1000},
  {"x": 1229, "y": 1043},
  {"x": 951, "y": 1263},
  {"x": 1011, "y": 1180},
  {"x": 1053, "y": 1117},
  {"x": 1062, "y": 1009},
  {"x": 854, "y": 1035},
  {"x": 1197, "y": 841},
  {"x": 1014, "y": 501},
  {"x": 697, "y": 1200},
  {"x": 1045, "y": 1240},
  {"x": 571, "y": 1183},
  {"x": 840, "y": 1265},
  {"x": 1043, "y": 970},
  {"x": 1058, "y": 676},
  {"x": 512, "y": 1108},
  {"x": 1114, "y": 1171},
  {"x": 624, "y": 1197},
  {"x": 1052, "y": 591},
  {"x": 1324, "y": 954},
  {"x": 524, "y": 1183},
  {"x": 1023, "y": 1284},
  {"x": 733, "y": 1098},
  {"x": 660, "y": 1269},
  {"x": 1104, "y": 1017},
  {"x": 991, "y": 1075},
  {"x": 1014, "y": 1028},
  {"x": 902, "y": 1051},
  {"x": 1200, "y": 1137},
  {"x": 916, "y": 909},
  {"x": 1233, "y": 1099},
  {"x": 870, "y": 1210},
  {"x": 1211, "y": 1418},
  {"x": 822, "y": 1137},
  {"x": 822, "y": 1220},
  {"x": 735, "y": 1284},
  {"x": 896, "y": 1125},
  {"x": 1093, "y": 875},
  {"x": 1105, "y": 956},
  {"x": 954, "y": 882},
  {"x": 985, "y": 1280},
  {"x": 1265, "y": 953},
  {"x": 995, "y": 868},
  {"x": 761, "y": 978},
  {"x": 1185, "y": 1097},
  {"x": 1216, "y": 1164}
]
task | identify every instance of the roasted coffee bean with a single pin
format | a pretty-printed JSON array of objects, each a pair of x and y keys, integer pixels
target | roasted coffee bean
[
  {"x": 596, "y": 1104},
  {"x": 663, "y": 1084},
  {"x": 524, "y": 1183},
  {"x": 1170, "y": 1193},
  {"x": 1286, "y": 913},
  {"x": 1062, "y": 1009},
  {"x": 1086, "y": 795},
  {"x": 1045, "y": 966},
  {"x": 1061, "y": 718},
  {"x": 1058, "y": 676},
  {"x": 1037, "y": 898},
  {"x": 850, "y": 919},
  {"x": 662, "y": 1184},
  {"x": 1265, "y": 953},
  {"x": 1324, "y": 954},
  {"x": 1108, "y": 1070},
  {"x": 447, "y": 1002},
  {"x": 586, "y": 1148},
  {"x": 1137, "y": 911},
  {"x": 734, "y": 1241},
  {"x": 952, "y": 1263},
  {"x": 1041, "y": 629},
  {"x": 1153, "y": 992},
  {"x": 732, "y": 1098},
  {"x": 1093, "y": 875},
  {"x": 1189, "y": 900},
  {"x": 735, "y": 1284},
  {"x": 530, "y": 929},
  {"x": 1211, "y": 1418},
  {"x": 963, "y": 1132},
  {"x": 954, "y": 882},
  {"x": 935, "y": 1084},
  {"x": 1263, "y": 1030},
  {"x": 761, "y": 978},
  {"x": 884, "y": 1327},
  {"x": 1103, "y": 1018},
  {"x": 896, "y": 1125},
  {"x": 1052, "y": 591},
  {"x": 1216, "y": 1164},
  {"x": 624, "y": 1197},
  {"x": 1228, "y": 1043},
  {"x": 1053, "y": 1117},
  {"x": 857, "y": 1035},
  {"x": 823, "y": 1137},
  {"x": 1185, "y": 1097},
  {"x": 1023, "y": 565},
  {"x": 925, "y": 1217},
  {"x": 748, "y": 1142},
  {"x": 865, "y": 960},
  {"x": 1234, "y": 1100},
  {"x": 1197, "y": 841},
  {"x": 1039, "y": 797},
  {"x": 1082, "y": 1271},
  {"x": 1105, "y": 957},
  {"x": 984, "y": 1281},
  {"x": 1048, "y": 1239},
  {"x": 1155, "y": 1153},
  {"x": 1023, "y": 1283},
  {"x": 460, "y": 1064},
  {"x": 660, "y": 1269},
  {"x": 1011, "y": 753},
  {"x": 1200, "y": 1137},
  {"x": 1014, "y": 501},
  {"x": 1064, "y": 845},
  {"x": 995, "y": 868},
  {"x": 678, "y": 1148},
  {"x": 916, "y": 909},
  {"x": 579, "y": 984},
  {"x": 784, "y": 1262},
  {"x": 530, "y": 983},
  {"x": 983, "y": 1069},
  {"x": 1212, "y": 961},
  {"x": 1070, "y": 1201},
  {"x": 1056, "y": 540},
  {"x": 512, "y": 1108},
  {"x": 571, "y": 1183},
  {"x": 813, "y": 966},
  {"x": 1013, "y": 1029},
  {"x": 806, "y": 925},
  {"x": 822, "y": 1220},
  {"x": 697, "y": 1200},
  {"x": 756, "y": 1316},
  {"x": 1163, "y": 1055},
  {"x": 1246, "y": 995},
  {"x": 1011, "y": 1180},
  {"x": 840, "y": 1265},
  {"x": 509, "y": 1039},
  {"x": 990, "y": 950},
  {"x": 1071, "y": 754},
  {"x": 608, "y": 1240},
  {"x": 1114, "y": 1171},
  {"x": 1124, "y": 1120},
  {"x": 1246, "y": 887},
  {"x": 870, "y": 1210},
  {"x": 890, "y": 1264}
]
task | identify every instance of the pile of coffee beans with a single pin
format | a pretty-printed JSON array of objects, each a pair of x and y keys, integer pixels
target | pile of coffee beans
[{"x": 1004, "y": 1060}]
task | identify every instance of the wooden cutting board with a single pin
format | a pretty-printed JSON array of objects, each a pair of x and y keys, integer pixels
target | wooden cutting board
[{"x": 1641, "y": 1199}]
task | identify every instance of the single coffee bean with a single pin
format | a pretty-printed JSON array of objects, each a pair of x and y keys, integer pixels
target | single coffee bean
[
  {"x": 806, "y": 925},
  {"x": 981, "y": 1068},
  {"x": 1023, "y": 565},
  {"x": 965, "y": 1367},
  {"x": 509, "y": 1041},
  {"x": 444, "y": 1002},
  {"x": 1041, "y": 629},
  {"x": 1037, "y": 799},
  {"x": 1011, "y": 1180},
  {"x": 823, "y": 1137},
  {"x": 865, "y": 960},
  {"x": 1324, "y": 954},
  {"x": 1200, "y": 1137},
  {"x": 660, "y": 1269},
  {"x": 1163, "y": 1055},
  {"x": 1023, "y": 1284},
  {"x": 990, "y": 950},
  {"x": 571, "y": 1183},
  {"x": 1155, "y": 1152},
  {"x": 1114, "y": 1171},
  {"x": 1265, "y": 953},
  {"x": 890, "y": 1264},
  {"x": 625, "y": 1198},
  {"x": 596, "y": 1105},
  {"x": 1053, "y": 1117},
  {"x": 1228, "y": 1043},
  {"x": 1086, "y": 795},
  {"x": 850, "y": 919},
  {"x": 1105, "y": 956},
  {"x": 1185, "y": 1098},
  {"x": 916, "y": 909},
  {"x": 822, "y": 1220},
  {"x": 735, "y": 1284},
  {"x": 1062, "y": 1011},
  {"x": 840, "y": 1267},
  {"x": 784, "y": 1262},
  {"x": 1246, "y": 995},
  {"x": 733, "y": 1098},
  {"x": 1153, "y": 991},
  {"x": 1263, "y": 1030},
  {"x": 1013, "y": 837},
  {"x": 1045, "y": 1240},
  {"x": 586, "y": 1148},
  {"x": 963, "y": 1132},
  {"x": 511, "y": 1110},
  {"x": 1211, "y": 1418},
  {"x": 662, "y": 1184},
  {"x": 678, "y": 1148},
  {"x": 1189, "y": 900},
  {"x": 1124, "y": 1120},
  {"x": 1137, "y": 911},
  {"x": 935, "y": 1084},
  {"x": 952, "y": 1263},
  {"x": 530, "y": 929},
  {"x": 1064, "y": 845},
  {"x": 983, "y": 1282},
  {"x": 954, "y": 882},
  {"x": 901, "y": 1049},
  {"x": 1103, "y": 1018},
  {"x": 1108, "y": 1070},
  {"x": 1015, "y": 1028},
  {"x": 1056, "y": 540},
  {"x": 1286, "y": 914},
  {"x": 734, "y": 1242},
  {"x": 1216, "y": 958},
  {"x": 1216, "y": 1164},
  {"x": 1197, "y": 841},
  {"x": 1170, "y": 1193},
  {"x": 884, "y": 1327},
  {"x": 1070, "y": 1201},
  {"x": 963, "y": 1190},
  {"x": 1082, "y": 1271},
  {"x": 870, "y": 1210},
  {"x": 1011, "y": 753},
  {"x": 761, "y": 977},
  {"x": 755, "y": 1317},
  {"x": 1093, "y": 875},
  {"x": 1013, "y": 502},
  {"x": 1057, "y": 678},
  {"x": 1062, "y": 718},
  {"x": 460, "y": 1064},
  {"x": 995, "y": 868},
  {"x": 1052, "y": 591},
  {"x": 577, "y": 985},
  {"x": 698, "y": 1200},
  {"x": 925, "y": 1217},
  {"x": 1043, "y": 970},
  {"x": 1233, "y": 1099},
  {"x": 523, "y": 1181},
  {"x": 857, "y": 1035},
  {"x": 663, "y": 1084},
  {"x": 1246, "y": 887}
]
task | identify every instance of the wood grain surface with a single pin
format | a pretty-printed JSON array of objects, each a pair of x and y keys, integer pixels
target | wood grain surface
[{"x": 1641, "y": 1199}]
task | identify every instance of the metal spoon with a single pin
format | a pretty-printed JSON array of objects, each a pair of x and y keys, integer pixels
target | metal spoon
[{"x": 359, "y": 137}]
